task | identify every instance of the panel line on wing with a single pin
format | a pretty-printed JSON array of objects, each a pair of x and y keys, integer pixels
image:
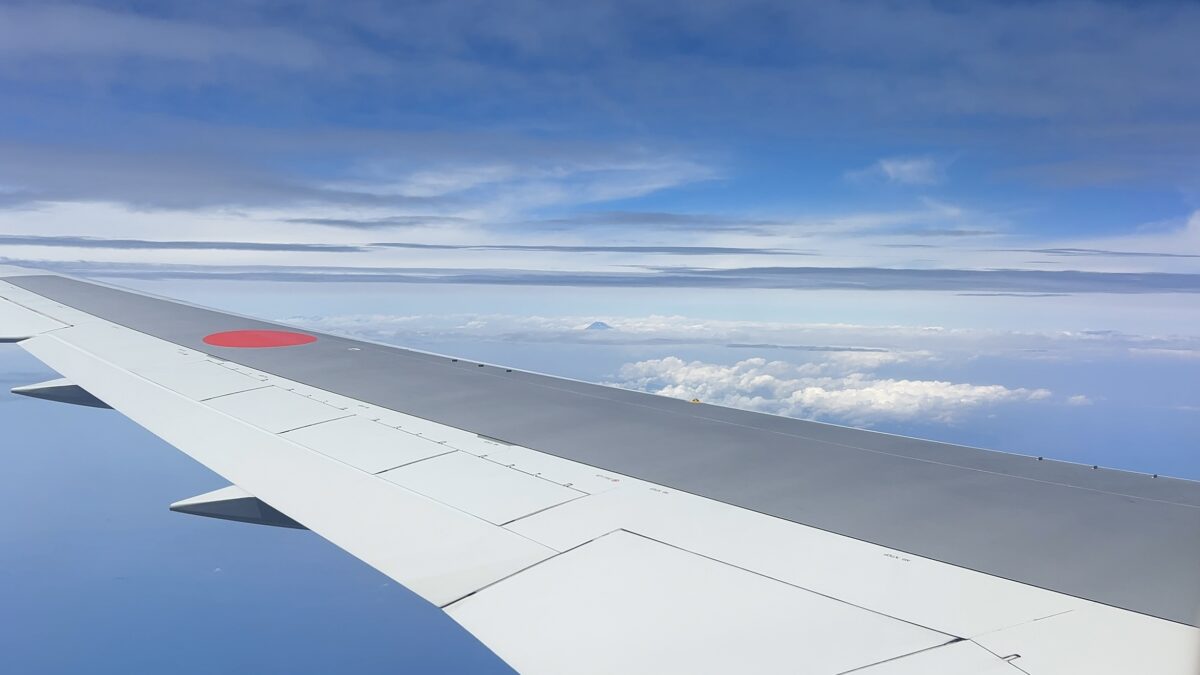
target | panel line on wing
[
  {"x": 558, "y": 553},
  {"x": 231, "y": 393},
  {"x": 313, "y": 424},
  {"x": 897, "y": 657},
  {"x": 543, "y": 510},
  {"x": 794, "y": 585}
]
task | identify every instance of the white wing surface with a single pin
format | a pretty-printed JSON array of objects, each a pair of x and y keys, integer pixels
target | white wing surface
[{"x": 579, "y": 528}]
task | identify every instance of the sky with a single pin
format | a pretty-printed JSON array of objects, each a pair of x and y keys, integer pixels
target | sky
[{"x": 976, "y": 223}]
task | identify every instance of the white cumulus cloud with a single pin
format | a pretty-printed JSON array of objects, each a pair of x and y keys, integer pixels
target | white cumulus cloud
[{"x": 832, "y": 390}]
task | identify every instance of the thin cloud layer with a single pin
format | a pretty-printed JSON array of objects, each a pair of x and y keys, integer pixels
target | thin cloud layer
[
  {"x": 656, "y": 220},
  {"x": 388, "y": 222},
  {"x": 552, "y": 248},
  {"x": 875, "y": 345},
  {"x": 1030, "y": 283},
  {"x": 66, "y": 241},
  {"x": 903, "y": 171},
  {"x": 152, "y": 245},
  {"x": 1076, "y": 252},
  {"x": 66, "y": 31}
]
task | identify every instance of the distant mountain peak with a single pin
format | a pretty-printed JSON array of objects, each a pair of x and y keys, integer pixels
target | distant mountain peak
[{"x": 598, "y": 325}]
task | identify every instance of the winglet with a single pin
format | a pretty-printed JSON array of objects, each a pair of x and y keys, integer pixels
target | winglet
[{"x": 234, "y": 503}]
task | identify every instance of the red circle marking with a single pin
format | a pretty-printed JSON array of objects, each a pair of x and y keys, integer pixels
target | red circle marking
[{"x": 258, "y": 338}]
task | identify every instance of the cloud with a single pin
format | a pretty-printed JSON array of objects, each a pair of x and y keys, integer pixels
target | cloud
[
  {"x": 175, "y": 175},
  {"x": 902, "y": 171},
  {"x": 1172, "y": 241},
  {"x": 328, "y": 172},
  {"x": 759, "y": 346},
  {"x": 936, "y": 232},
  {"x": 552, "y": 248},
  {"x": 1013, "y": 295},
  {"x": 1040, "y": 282},
  {"x": 67, "y": 241},
  {"x": 45, "y": 30},
  {"x": 1073, "y": 252},
  {"x": 469, "y": 120},
  {"x": 810, "y": 69},
  {"x": 842, "y": 390},
  {"x": 380, "y": 223},
  {"x": 193, "y": 165},
  {"x": 1166, "y": 352},
  {"x": 146, "y": 244},
  {"x": 776, "y": 63},
  {"x": 658, "y": 220},
  {"x": 1078, "y": 400},
  {"x": 621, "y": 330},
  {"x": 846, "y": 345},
  {"x": 504, "y": 187}
]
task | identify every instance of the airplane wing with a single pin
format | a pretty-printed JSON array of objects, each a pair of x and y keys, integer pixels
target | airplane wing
[{"x": 574, "y": 527}]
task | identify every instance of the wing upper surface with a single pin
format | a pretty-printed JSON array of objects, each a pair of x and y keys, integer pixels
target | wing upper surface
[{"x": 513, "y": 499}]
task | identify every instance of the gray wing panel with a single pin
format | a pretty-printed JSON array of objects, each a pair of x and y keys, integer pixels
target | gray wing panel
[{"x": 1123, "y": 539}]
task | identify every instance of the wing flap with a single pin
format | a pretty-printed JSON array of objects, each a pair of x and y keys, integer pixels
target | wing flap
[
  {"x": 485, "y": 489},
  {"x": 927, "y": 592},
  {"x": 18, "y": 323},
  {"x": 275, "y": 409},
  {"x": 201, "y": 379},
  {"x": 366, "y": 444},
  {"x": 623, "y": 603}
]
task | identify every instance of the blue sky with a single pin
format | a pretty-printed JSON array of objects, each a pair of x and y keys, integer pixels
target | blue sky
[{"x": 974, "y": 223}]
